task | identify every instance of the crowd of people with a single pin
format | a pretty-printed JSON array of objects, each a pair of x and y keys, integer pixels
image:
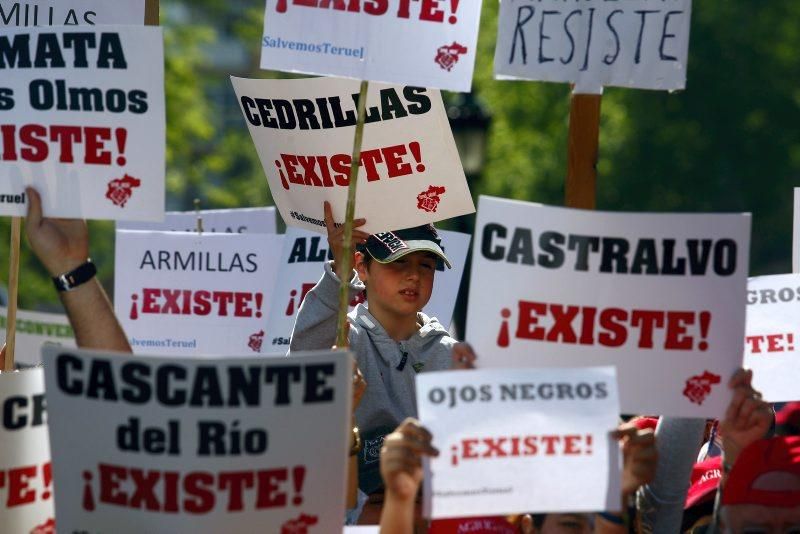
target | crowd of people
[{"x": 738, "y": 474}]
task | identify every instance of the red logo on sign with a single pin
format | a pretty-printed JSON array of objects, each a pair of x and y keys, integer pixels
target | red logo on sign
[
  {"x": 121, "y": 189},
  {"x": 299, "y": 525},
  {"x": 256, "y": 340},
  {"x": 429, "y": 200},
  {"x": 48, "y": 527},
  {"x": 447, "y": 56},
  {"x": 698, "y": 387}
]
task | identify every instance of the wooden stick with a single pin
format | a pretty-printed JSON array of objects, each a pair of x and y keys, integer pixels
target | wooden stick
[
  {"x": 151, "y": 13},
  {"x": 13, "y": 291},
  {"x": 584, "y": 131},
  {"x": 347, "y": 252}
]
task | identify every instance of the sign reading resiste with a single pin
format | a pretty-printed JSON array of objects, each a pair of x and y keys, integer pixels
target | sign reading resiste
[
  {"x": 303, "y": 131},
  {"x": 198, "y": 445},
  {"x": 772, "y": 340},
  {"x": 427, "y": 43},
  {"x": 657, "y": 295},
  {"x": 35, "y": 329},
  {"x": 593, "y": 43},
  {"x": 83, "y": 121},
  {"x": 302, "y": 264},
  {"x": 26, "y": 477},
  {"x": 229, "y": 221},
  {"x": 184, "y": 294},
  {"x": 498, "y": 430}
]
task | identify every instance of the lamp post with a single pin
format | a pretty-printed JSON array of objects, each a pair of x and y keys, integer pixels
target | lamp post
[{"x": 470, "y": 122}]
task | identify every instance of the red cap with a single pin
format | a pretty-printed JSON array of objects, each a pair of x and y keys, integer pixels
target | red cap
[
  {"x": 764, "y": 465},
  {"x": 789, "y": 415},
  {"x": 705, "y": 480},
  {"x": 494, "y": 525},
  {"x": 643, "y": 422}
]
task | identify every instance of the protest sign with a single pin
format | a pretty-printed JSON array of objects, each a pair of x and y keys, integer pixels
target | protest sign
[
  {"x": 33, "y": 330},
  {"x": 183, "y": 294},
  {"x": 429, "y": 43},
  {"x": 302, "y": 264},
  {"x": 657, "y": 295},
  {"x": 796, "y": 232},
  {"x": 230, "y": 221},
  {"x": 303, "y": 131},
  {"x": 70, "y": 12},
  {"x": 83, "y": 121},
  {"x": 627, "y": 44},
  {"x": 26, "y": 478},
  {"x": 519, "y": 441},
  {"x": 770, "y": 347},
  {"x": 198, "y": 445}
]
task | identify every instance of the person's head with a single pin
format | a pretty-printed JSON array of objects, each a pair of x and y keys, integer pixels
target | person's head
[
  {"x": 762, "y": 492},
  {"x": 699, "y": 506},
  {"x": 398, "y": 268}
]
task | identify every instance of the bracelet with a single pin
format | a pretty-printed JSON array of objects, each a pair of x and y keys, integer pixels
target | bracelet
[
  {"x": 356, "y": 445},
  {"x": 79, "y": 275}
]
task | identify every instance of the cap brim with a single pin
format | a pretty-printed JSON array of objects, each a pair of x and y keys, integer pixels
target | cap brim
[{"x": 414, "y": 246}]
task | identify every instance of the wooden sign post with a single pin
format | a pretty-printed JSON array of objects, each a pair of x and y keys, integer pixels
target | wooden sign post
[{"x": 584, "y": 133}]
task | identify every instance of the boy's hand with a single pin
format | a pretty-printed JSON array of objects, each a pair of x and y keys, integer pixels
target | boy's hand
[
  {"x": 336, "y": 238},
  {"x": 463, "y": 356},
  {"x": 747, "y": 419},
  {"x": 639, "y": 456},
  {"x": 401, "y": 458},
  {"x": 60, "y": 244}
]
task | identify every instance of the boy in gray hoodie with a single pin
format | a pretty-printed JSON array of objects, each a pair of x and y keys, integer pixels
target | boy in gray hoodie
[{"x": 391, "y": 340}]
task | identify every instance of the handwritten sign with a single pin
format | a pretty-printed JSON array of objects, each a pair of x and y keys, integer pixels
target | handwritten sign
[{"x": 657, "y": 295}]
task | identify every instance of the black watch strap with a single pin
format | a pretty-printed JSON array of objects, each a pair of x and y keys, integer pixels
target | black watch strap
[{"x": 80, "y": 275}]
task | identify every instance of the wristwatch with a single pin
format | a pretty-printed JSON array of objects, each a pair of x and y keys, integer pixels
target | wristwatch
[
  {"x": 79, "y": 275},
  {"x": 356, "y": 445}
]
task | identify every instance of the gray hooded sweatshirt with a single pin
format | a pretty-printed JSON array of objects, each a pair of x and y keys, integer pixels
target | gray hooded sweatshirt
[{"x": 389, "y": 367}]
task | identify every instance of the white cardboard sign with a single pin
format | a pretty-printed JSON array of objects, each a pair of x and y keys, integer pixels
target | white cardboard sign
[
  {"x": 635, "y": 43},
  {"x": 498, "y": 430},
  {"x": 427, "y": 43},
  {"x": 70, "y": 12},
  {"x": 198, "y": 445},
  {"x": 26, "y": 492},
  {"x": 185, "y": 294},
  {"x": 35, "y": 329},
  {"x": 657, "y": 295},
  {"x": 772, "y": 340},
  {"x": 302, "y": 265},
  {"x": 303, "y": 131},
  {"x": 83, "y": 121},
  {"x": 229, "y": 221}
]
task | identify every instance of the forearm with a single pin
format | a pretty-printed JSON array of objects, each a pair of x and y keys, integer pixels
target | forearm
[
  {"x": 92, "y": 318},
  {"x": 397, "y": 516}
]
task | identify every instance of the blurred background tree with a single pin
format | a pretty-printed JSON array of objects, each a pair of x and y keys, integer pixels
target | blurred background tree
[{"x": 730, "y": 142}]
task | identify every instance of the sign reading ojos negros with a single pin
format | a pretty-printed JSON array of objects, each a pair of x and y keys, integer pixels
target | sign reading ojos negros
[
  {"x": 303, "y": 131},
  {"x": 83, "y": 121},
  {"x": 657, "y": 295},
  {"x": 198, "y": 444}
]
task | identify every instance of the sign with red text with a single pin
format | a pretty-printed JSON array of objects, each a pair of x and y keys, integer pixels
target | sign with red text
[
  {"x": 34, "y": 329},
  {"x": 184, "y": 294},
  {"x": 303, "y": 131},
  {"x": 198, "y": 444},
  {"x": 635, "y": 43},
  {"x": 229, "y": 221},
  {"x": 83, "y": 121},
  {"x": 26, "y": 478},
  {"x": 426, "y": 43},
  {"x": 499, "y": 430},
  {"x": 70, "y": 12},
  {"x": 657, "y": 295},
  {"x": 772, "y": 339},
  {"x": 302, "y": 265}
]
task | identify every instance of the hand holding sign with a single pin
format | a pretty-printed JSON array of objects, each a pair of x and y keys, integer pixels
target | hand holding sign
[
  {"x": 336, "y": 238},
  {"x": 747, "y": 418},
  {"x": 60, "y": 244}
]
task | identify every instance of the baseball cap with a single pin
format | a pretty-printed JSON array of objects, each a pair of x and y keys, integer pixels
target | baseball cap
[
  {"x": 767, "y": 473},
  {"x": 704, "y": 482},
  {"x": 497, "y": 525},
  {"x": 386, "y": 247}
]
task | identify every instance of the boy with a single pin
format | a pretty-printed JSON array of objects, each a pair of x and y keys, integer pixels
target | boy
[{"x": 391, "y": 340}]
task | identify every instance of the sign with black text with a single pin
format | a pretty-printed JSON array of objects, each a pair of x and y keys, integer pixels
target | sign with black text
[
  {"x": 228, "y": 221},
  {"x": 34, "y": 329},
  {"x": 657, "y": 295},
  {"x": 70, "y": 12},
  {"x": 198, "y": 445}
]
